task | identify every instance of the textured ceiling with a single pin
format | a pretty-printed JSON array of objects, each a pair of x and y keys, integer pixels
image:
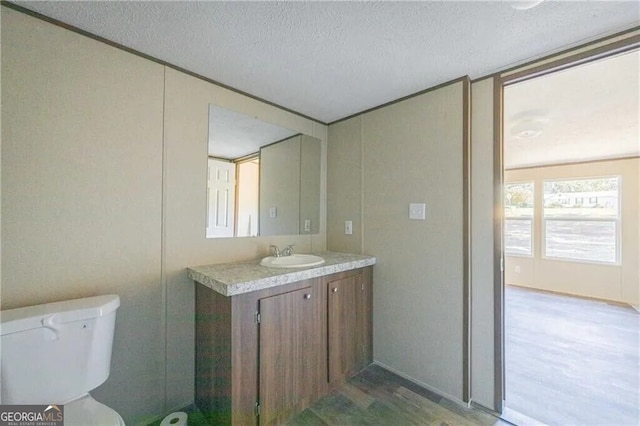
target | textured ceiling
[
  {"x": 328, "y": 60},
  {"x": 583, "y": 113}
]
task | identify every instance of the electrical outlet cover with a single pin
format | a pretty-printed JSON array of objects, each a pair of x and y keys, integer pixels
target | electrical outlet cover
[
  {"x": 417, "y": 211},
  {"x": 348, "y": 227}
]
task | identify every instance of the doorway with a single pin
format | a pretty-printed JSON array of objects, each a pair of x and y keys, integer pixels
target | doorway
[{"x": 571, "y": 244}]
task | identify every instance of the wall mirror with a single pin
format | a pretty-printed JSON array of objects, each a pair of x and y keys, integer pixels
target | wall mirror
[{"x": 262, "y": 179}]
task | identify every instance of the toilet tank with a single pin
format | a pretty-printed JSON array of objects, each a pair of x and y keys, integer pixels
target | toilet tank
[{"x": 55, "y": 352}]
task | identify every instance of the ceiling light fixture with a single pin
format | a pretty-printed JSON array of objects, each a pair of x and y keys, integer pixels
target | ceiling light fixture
[
  {"x": 527, "y": 129},
  {"x": 528, "y": 134}
]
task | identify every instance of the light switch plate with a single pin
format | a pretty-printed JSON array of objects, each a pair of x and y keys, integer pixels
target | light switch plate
[
  {"x": 348, "y": 227},
  {"x": 417, "y": 211},
  {"x": 273, "y": 212},
  {"x": 307, "y": 225}
]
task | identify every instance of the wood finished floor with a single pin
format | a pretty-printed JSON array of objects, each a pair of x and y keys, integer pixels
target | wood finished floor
[
  {"x": 571, "y": 361},
  {"x": 376, "y": 396}
]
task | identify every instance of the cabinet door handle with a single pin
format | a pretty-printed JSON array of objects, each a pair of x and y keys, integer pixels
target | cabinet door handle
[
  {"x": 334, "y": 290},
  {"x": 307, "y": 296}
]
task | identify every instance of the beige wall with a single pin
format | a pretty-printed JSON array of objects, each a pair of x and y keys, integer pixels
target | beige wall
[
  {"x": 351, "y": 175},
  {"x": 100, "y": 195},
  {"x": 310, "y": 176},
  {"x": 611, "y": 282},
  {"x": 82, "y": 192},
  {"x": 410, "y": 151},
  {"x": 344, "y": 183},
  {"x": 482, "y": 244}
]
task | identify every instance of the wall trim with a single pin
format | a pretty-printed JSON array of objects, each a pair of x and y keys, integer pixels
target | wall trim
[
  {"x": 485, "y": 77},
  {"x": 111, "y": 43},
  {"x": 498, "y": 278},
  {"x": 481, "y": 407},
  {"x": 163, "y": 248},
  {"x": 466, "y": 240},
  {"x": 577, "y": 296},
  {"x": 600, "y": 52},
  {"x": 362, "y": 185},
  {"x": 276, "y": 142},
  {"x": 574, "y": 163},
  {"x": 556, "y": 54}
]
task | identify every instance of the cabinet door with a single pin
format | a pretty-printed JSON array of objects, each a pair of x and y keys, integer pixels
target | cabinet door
[
  {"x": 286, "y": 340},
  {"x": 364, "y": 318},
  {"x": 342, "y": 327}
]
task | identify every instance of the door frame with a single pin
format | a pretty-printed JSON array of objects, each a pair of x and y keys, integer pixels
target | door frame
[{"x": 615, "y": 44}]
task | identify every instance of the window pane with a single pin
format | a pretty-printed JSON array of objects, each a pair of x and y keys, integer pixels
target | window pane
[
  {"x": 581, "y": 240},
  {"x": 517, "y": 237},
  {"x": 518, "y": 199},
  {"x": 588, "y": 198}
]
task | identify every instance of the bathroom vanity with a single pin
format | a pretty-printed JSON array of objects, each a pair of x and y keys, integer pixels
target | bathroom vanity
[{"x": 271, "y": 341}]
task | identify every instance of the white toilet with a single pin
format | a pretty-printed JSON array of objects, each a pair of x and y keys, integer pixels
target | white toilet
[{"x": 56, "y": 353}]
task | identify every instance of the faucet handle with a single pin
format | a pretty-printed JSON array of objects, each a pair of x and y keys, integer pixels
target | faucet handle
[
  {"x": 288, "y": 250},
  {"x": 274, "y": 250}
]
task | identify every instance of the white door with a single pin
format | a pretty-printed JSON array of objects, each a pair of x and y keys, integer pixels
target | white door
[{"x": 221, "y": 191}]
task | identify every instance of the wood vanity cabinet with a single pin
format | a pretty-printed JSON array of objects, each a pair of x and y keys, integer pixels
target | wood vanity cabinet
[
  {"x": 349, "y": 329},
  {"x": 263, "y": 356},
  {"x": 289, "y": 351}
]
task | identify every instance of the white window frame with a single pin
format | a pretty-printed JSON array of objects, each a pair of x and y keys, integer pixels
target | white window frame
[
  {"x": 530, "y": 219},
  {"x": 617, "y": 221}
]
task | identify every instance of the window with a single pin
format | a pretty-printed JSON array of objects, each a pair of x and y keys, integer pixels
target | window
[
  {"x": 578, "y": 230},
  {"x": 518, "y": 224}
]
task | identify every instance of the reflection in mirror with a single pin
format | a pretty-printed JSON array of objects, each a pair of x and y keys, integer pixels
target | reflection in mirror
[
  {"x": 248, "y": 172},
  {"x": 263, "y": 179}
]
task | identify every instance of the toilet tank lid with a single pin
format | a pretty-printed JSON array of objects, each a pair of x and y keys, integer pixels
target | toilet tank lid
[{"x": 29, "y": 317}]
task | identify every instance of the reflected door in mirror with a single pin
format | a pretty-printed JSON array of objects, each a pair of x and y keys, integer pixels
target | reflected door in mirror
[{"x": 220, "y": 198}]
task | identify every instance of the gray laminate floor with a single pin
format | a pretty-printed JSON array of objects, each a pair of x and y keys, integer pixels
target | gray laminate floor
[
  {"x": 376, "y": 396},
  {"x": 571, "y": 361}
]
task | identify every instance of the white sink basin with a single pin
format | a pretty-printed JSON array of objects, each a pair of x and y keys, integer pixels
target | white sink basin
[{"x": 293, "y": 261}]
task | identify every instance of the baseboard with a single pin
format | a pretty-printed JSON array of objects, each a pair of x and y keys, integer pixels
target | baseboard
[
  {"x": 519, "y": 419},
  {"x": 579, "y": 296},
  {"x": 487, "y": 410},
  {"x": 424, "y": 385}
]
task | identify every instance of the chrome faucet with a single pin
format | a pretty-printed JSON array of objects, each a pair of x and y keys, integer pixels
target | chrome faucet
[
  {"x": 275, "y": 251},
  {"x": 287, "y": 251}
]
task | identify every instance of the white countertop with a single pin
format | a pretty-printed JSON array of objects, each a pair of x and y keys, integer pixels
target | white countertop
[{"x": 230, "y": 279}]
